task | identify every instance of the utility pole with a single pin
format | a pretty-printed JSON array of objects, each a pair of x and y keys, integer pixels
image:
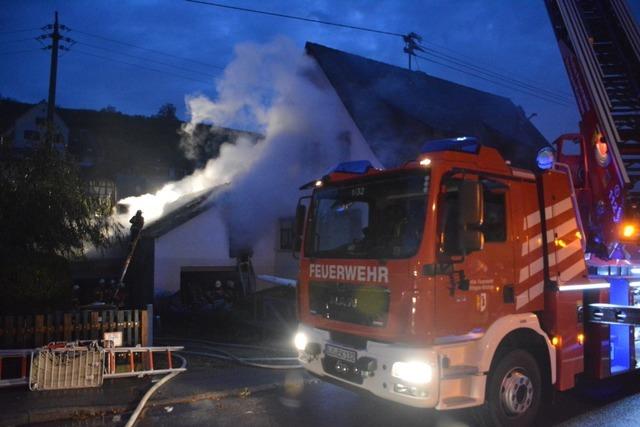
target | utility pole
[
  {"x": 411, "y": 44},
  {"x": 55, "y": 47},
  {"x": 53, "y": 73}
]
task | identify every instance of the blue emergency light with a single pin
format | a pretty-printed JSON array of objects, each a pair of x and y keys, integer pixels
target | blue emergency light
[
  {"x": 465, "y": 144},
  {"x": 356, "y": 166}
]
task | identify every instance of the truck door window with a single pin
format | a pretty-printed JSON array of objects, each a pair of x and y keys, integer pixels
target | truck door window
[
  {"x": 449, "y": 210},
  {"x": 495, "y": 225}
]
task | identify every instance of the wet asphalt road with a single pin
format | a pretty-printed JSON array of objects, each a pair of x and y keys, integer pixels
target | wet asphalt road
[{"x": 611, "y": 403}]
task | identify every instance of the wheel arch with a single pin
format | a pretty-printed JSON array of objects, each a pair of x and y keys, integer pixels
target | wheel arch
[{"x": 521, "y": 331}]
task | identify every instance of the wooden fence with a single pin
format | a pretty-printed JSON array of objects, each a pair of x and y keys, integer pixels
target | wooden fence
[{"x": 37, "y": 330}]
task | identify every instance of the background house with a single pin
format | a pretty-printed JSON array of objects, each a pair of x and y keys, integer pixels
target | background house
[{"x": 23, "y": 127}]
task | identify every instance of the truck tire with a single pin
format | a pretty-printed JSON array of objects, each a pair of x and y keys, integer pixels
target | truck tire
[{"x": 514, "y": 391}]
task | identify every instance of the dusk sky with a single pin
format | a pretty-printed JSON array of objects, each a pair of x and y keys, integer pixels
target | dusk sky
[{"x": 188, "y": 45}]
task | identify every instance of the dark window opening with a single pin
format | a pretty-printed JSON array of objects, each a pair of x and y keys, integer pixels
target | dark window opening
[
  {"x": 31, "y": 135},
  {"x": 286, "y": 234}
]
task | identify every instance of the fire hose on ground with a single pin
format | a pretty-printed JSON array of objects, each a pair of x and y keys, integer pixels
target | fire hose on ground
[
  {"x": 247, "y": 361},
  {"x": 149, "y": 393},
  {"x": 217, "y": 354}
]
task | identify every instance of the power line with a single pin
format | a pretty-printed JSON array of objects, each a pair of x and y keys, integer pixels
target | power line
[
  {"x": 14, "y": 52},
  {"x": 19, "y": 31},
  {"x": 464, "y": 57},
  {"x": 520, "y": 83},
  {"x": 298, "y": 18},
  {"x": 159, "y": 52},
  {"x": 145, "y": 59},
  {"x": 140, "y": 66},
  {"x": 497, "y": 82},
  {"x": 17, "y": 40},
  {"x": 493, "y": 74}
]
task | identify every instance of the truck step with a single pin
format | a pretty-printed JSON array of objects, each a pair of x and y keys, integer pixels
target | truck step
[{"x": 612, "y": 314}]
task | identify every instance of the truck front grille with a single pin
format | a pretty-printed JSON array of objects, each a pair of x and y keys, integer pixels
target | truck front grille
[{"x": 346, "y": 302}]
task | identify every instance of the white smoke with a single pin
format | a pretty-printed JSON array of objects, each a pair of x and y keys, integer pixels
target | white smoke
[
  {"x": 234, "y": 158},
  {"x": 276, "y": 90}
]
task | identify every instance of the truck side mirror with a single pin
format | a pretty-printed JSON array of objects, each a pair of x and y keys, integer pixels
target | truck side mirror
[{"x": 470, "y": 216}]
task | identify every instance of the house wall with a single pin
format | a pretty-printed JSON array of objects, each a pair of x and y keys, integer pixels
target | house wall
[
  {"x": 202, "y": 242},
  {"x": 199, "y": 242}
]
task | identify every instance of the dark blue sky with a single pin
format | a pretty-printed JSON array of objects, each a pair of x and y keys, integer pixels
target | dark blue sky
[{"x": 509, "y": 36}]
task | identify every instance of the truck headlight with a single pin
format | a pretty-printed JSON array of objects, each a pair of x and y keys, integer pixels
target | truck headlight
[
  {"x": 412, "y": 372},
  {"x": 300, "y": 341}
]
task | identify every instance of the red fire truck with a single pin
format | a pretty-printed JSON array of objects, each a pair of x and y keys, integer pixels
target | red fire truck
[{"x": 459, "y": 280}]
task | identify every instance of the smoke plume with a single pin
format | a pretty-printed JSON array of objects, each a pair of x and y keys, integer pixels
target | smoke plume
[{"x": 276, "y": 90}]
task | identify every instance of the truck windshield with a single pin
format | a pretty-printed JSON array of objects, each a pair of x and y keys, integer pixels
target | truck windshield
[{"x": 381, "y": 218}]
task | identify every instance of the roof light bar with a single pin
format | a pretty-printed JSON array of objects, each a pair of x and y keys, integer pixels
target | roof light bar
[
  {"x": 465, "y": 144},
  {"x": 584, "y": 287},
  {"x": 356, "y": 166}
]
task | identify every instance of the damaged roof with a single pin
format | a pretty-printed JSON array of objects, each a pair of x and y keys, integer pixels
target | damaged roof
[
  {"x": 176, "y": 216},
  {"x": 397, "y": 109}
]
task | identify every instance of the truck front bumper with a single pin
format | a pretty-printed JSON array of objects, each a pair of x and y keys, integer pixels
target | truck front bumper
[{"x": 413, "y": 381}]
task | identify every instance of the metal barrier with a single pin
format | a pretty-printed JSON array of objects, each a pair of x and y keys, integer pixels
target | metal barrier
[
  {"x": 67, "y": 366},
  {"x": 20, "y": 358},
  {"x": 85, "y": 364}
]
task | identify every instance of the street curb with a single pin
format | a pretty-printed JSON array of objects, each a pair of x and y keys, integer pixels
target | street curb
[{"x": 66, "y": 413}]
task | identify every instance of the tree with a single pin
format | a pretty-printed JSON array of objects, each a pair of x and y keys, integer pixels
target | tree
[
  {"x": 167, "y": 111},
  {"x": 46, "y": 219}
]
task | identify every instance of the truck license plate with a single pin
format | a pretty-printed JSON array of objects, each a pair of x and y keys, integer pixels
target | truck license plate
[{"x": 340, "y": 353}]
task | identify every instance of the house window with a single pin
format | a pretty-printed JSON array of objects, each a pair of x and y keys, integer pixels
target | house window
[
  {"x": 286, "y": 234},
  {"x": 40, "y": 122},
  {"x": 31, "y": 135}
]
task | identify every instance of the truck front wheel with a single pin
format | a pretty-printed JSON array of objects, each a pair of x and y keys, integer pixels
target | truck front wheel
[{"x": 513, "y": 391}]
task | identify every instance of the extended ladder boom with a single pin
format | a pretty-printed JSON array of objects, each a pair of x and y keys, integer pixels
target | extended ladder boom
[{"x": 600, "y": 44}]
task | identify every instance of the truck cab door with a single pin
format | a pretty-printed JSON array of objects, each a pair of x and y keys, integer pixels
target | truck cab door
[{"x": 470, "y": 291}]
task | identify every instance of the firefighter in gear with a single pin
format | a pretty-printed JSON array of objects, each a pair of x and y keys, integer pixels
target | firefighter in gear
[{"x": 137, "y": 222}]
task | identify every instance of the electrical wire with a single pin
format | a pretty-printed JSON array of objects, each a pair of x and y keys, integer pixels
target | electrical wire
[
  {"x": 139, "y": 66},
  {"x": 297, "y": 18},
  {"x": 19, "y": 31},
  {"x": 17, "y": 40},
  {"x": 159, "y": 52},
  {"x": 521, "y": 85},
  {"x": 464, "y": 57},
  {"x": 13, "y": 52},
  {"x": 134, "y": 417},
  {"x": 144, "y": 59},
  {"x": 491, "y": 73},
  {"x": 497, "y": 82}
]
